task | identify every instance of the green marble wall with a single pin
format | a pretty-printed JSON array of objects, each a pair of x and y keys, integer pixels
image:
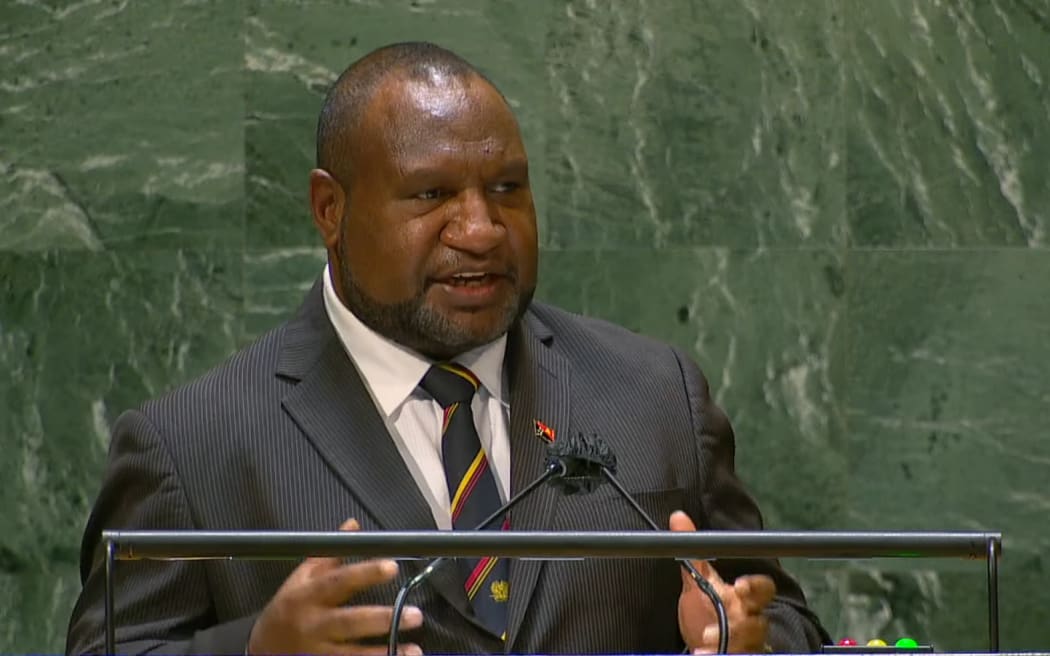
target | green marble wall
[{"x": 841, "y": 207}]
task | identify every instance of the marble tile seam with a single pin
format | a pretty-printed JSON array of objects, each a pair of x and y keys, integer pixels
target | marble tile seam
[
  {"x": 789, "y": 249},
  {"x": 120, "y": 251},
  {"x": 115, "y": 248}
]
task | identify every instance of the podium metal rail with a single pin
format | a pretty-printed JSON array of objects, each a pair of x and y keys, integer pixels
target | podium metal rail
[{"x": 283, "y": 545}]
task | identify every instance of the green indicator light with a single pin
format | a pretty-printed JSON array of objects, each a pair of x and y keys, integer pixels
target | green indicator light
[{"x": 906, "y": 643}]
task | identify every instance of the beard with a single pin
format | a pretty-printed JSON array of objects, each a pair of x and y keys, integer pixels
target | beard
[{"x": 423, "y": 328}]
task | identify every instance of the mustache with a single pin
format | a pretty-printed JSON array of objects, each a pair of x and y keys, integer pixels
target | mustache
[{"x": 452, "y": 265}]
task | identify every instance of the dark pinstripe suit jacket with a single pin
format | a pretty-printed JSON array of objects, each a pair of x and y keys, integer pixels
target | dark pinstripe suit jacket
[{"x": 285, "y": 436}]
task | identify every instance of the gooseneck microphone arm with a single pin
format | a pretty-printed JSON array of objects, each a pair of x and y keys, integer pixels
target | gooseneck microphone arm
[
  {"x": 554, "y": 468},
  {"x": 702, "y": 583}
]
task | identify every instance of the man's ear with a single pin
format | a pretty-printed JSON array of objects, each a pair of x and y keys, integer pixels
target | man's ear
[{"x": 327, "y": 203}]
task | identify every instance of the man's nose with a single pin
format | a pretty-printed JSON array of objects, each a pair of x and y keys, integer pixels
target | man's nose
[{"x": 475, "y": 226}]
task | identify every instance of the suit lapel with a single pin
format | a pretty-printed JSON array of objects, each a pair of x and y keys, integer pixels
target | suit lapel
[
  {"x": 336, "y": 413},
  {"x": 539, "y": 390}
]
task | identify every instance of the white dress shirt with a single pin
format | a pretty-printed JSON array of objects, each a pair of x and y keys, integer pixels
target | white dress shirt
[{"x": 391, "y": 374}]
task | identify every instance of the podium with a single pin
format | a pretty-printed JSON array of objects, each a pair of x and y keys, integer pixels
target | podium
[{"x": 277, "y": 545}]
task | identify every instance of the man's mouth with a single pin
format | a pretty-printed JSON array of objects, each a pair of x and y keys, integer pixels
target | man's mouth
[
  {"x": 470, "y": 279},
  {"x": 473, "y": 289}
]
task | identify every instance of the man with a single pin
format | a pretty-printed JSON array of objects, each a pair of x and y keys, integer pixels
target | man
[{"x": 342, "y": 416}]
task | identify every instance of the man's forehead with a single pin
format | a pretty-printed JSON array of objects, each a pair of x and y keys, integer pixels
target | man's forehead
[
  {"x": 420, "y": 112},
  {"x": 435, "y": 95}
]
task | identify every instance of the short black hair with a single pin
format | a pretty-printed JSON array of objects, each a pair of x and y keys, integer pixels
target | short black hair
[{"x": 349, "y": 95}]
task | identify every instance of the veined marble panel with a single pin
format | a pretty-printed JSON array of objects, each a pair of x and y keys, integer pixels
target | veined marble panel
[
  {"x": 122, "y": 125},
  {"x": 83, "y": 337}
]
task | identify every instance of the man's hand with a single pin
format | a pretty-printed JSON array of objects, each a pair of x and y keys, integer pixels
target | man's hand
[
  {"x": 744, "y": 600},
  {"x": 309, "y": 615}
]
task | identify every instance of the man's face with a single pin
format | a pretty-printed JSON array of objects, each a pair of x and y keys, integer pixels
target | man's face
[{"x": 438, "y": 245}]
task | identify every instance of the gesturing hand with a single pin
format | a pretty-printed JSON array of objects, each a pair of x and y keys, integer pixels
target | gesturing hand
[
  {"x": 744, "y": 601},
  {"x": 309, "y": 615}
]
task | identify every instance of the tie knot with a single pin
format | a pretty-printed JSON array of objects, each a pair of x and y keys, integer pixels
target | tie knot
[{"x": 450, "y": 383}]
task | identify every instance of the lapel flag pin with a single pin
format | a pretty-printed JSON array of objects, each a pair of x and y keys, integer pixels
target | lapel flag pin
[{"x": 543, "y": 431}]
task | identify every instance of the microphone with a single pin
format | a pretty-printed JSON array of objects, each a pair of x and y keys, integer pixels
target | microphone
[
  {"x": 591, "y": 459},
  {"x": 584, "y": 460},
  {"x": 561, "y": 461}
]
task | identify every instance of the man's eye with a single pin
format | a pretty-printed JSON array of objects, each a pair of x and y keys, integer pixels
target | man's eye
[
  {"x": 429, "y": 194},
  {"x": 505, "y": 187}
]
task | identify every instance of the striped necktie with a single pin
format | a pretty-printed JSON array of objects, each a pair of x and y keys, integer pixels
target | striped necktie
[{"x": 471, "y": 488}]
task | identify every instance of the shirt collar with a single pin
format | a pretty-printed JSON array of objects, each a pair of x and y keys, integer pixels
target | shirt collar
[{"x": 391, "y": 371}]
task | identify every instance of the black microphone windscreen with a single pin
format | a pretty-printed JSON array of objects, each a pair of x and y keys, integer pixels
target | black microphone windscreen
[{"x": 582, "y": 459}]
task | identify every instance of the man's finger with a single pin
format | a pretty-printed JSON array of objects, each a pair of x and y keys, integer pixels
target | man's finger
[
  {"x": 350, "y": 649},
  {"x": 313, "y": 566},
  {"x": 350, "y": 624},
  {"x": 755, "y": 592},
  {"x": 682, "y": 523},
  {"x": 747, "y": 635},
  {"x": 337, "y": 586},
  {"x": 350, "y": 525},
  {"x": 708, "y": 572}
]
